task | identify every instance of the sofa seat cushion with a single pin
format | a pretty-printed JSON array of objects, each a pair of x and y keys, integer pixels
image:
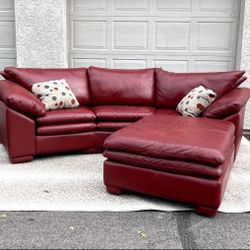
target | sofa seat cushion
[
  {"x": 122, "y": 113},
  {"x": 63, "y": 116},
  {"x": 66, "y": 129},
  {"x": 164, "y": 165},
  {"x": 204, "y": 141},
  {"x": 167, "y": 112},
  {"x": 121, "y": 86},
  {"x": 112, "y": 126}
]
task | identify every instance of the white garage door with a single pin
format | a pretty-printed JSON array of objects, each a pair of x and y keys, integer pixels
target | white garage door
[
  {"x": 179, "y": 35},
  {"x": 7, "y": 34}
]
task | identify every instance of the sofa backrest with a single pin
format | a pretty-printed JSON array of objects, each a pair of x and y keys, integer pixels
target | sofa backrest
[
  {"x": 172, "y": 87},
  {"x": 121, "y": 87},
  {"x": 76, "y": 78}
]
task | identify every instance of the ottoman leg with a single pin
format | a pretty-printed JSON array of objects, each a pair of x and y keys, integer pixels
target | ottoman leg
[
  {"x": 207, "y": 211},
  {"x": 114, "y": 190}
]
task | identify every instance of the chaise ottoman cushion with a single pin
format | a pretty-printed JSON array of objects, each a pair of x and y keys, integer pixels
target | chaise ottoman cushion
[
  {"x": 168, "y": 166},
  {"x": 122, "y": 113},
  {"x": 203, "y": 141}
]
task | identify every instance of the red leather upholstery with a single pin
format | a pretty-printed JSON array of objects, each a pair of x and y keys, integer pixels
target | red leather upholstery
[
  {"x": 76, "y": 78},
  {"x": 121, "y": 87},
  {"x": 5, "y": 76},
  {"x": 66, "y": 129},
  {"x": 17, "y": 134},
  {"x": 63, "y": 116},
  {"x": 122, "y": 113},
  {"x": 65, "y": 143},
  {"x": 204, "y": 141},
  {"x": 172, "y": 87},
  {"x": 228, "y": 104},
  {"x": 167, "y": 112},
  {"x": 205, "y": 193},
  {"x": 112, "y": 126},
  {"x": 238, "y": 121},
  {"x": 21, "y": 100},
  {"x": 159, "y": 164}
]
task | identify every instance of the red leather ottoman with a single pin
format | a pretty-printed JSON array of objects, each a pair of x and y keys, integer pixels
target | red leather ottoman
[{"x": 178, "y": 158}]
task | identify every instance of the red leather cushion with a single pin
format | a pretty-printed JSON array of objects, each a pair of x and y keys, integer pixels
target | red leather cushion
[
  {"x": 121, "y": 87},
  {"x": 230, "y": 103},
  {"x": 178, "y": 167},
  {"x": 66, "y": 129},
  {"x": 62, "y": 116},
  {"x": 172, "y": 87},
  {"x": 167, "y": 112},
  {"x": 20, "y": 99},
  {"x": 205, "y": 141},
  {"x": 122, "y": 113},
  {"x": 76, "y": 78},
  {"x": 112, "y": 126}
]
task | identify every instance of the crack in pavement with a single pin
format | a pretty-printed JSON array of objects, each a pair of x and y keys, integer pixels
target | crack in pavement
[{"x": 183, "y": 225}]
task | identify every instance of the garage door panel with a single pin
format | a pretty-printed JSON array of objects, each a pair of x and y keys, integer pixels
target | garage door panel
[
  {"x": 7, "y": 31},
  {"x": 173, "y": 5},
  {"x": 7, "y": 6},
  {"x": 86, "y": 62},
  {"x": 211, "y": 66},
  {"x": 224, "y": 6},
  {"x": 215, "y": 36},
  {"x": 130, "y": 35},
  {"x": 7, "y": 37},
  {"x": 129, "y": 63},
  {"x": 90, "y": 5},
  {"x": 131, "y": 5},
  {"x": 172, "y": 35},
  {"x": 172, "y": 65},
  {"x": 89, "y": 34}
]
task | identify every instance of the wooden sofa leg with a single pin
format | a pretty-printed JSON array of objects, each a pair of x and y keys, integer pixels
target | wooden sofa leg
[
  {"x": 22, "y": 159},
  {"x": 207, "y": 211},
  {"x": 114, "y": 190}
]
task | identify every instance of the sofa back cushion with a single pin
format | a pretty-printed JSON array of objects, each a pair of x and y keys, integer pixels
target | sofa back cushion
[
  {"x": 121, "y": 87},
  {"x": 172, "y": 87},
  {"x": 76, "y": 78}
]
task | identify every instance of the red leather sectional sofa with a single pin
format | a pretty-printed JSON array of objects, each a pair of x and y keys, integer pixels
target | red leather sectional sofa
[
  {"x": 163, "y": 154},
  {"x": 109, "y": 100}
]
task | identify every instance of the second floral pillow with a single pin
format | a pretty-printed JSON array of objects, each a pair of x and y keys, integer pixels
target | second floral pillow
[
  {"x": 55, "y": 94},
  {"x": 196, "y": 101}
]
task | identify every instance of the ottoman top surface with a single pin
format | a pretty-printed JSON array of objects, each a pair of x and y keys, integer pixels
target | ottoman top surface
[{"x": 180, "y": 138}]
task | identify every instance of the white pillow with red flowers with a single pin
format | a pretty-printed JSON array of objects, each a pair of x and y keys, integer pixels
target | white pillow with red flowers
[
  {"x": 196, "y": 101},
  {"x": 55, "y": 94}
]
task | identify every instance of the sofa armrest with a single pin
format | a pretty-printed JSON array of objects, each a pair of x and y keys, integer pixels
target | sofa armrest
[
  {"x": 229, "y": 104},
  {"x": 20, "y": 99}
]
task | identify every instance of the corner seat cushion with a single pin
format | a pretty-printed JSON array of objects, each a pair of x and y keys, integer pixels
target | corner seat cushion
[
  {"x": 121, "y": 86},
  {"x": 167, "y": 112},
  {"x": 164, "y": 165},
  {"x": 112, "y": 126},
  {"x": 204, "y": 141},
  {"x": 122, "y": 113},
  {"x": 66, "y": 129},
  {"x": 63, "y": 116},
  {"x": 76, "y": 78},
  {"x": 172, "y": 87}
]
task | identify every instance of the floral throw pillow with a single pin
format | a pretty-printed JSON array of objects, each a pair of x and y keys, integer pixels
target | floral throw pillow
[
  {"x": 55, "y": 94},
  {"x": 196, "y": 101}
]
